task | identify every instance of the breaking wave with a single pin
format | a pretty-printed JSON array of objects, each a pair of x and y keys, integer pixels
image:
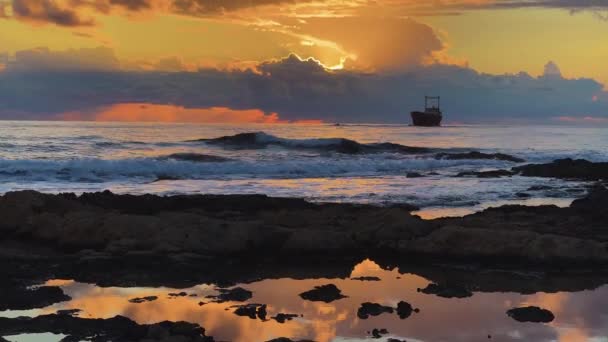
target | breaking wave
[
  {"x": 195, "y": 166},
  {"x": 258, "y": 140}
]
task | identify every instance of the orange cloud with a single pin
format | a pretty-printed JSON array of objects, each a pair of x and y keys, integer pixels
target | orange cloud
[{"x": 146, "y": 112}]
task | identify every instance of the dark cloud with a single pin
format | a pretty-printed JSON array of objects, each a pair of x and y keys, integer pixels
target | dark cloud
[
  {"x": 47, "y": 11},
  {"x": 300, "y": 90},
  {"x": 85, "y": 59},
  {"x": 211, "y": 7}
]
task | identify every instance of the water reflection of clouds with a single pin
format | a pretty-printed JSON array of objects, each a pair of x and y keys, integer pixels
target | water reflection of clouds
[{"x": 579, "y": 316}]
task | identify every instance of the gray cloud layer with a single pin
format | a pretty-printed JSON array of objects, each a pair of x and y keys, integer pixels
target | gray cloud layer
[{"x": 305, "y": 90}]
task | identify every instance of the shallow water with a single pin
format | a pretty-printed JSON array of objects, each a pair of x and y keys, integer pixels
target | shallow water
[
  {"x": 131, "y": 157},
  {"x": 580, "y": 316}
]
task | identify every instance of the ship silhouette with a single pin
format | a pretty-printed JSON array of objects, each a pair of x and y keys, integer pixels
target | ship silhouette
[{"x": 431, "y": 116}]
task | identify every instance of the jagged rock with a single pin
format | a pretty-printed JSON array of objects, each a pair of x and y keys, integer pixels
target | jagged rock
[
  {"x": 531, "y": 314},
  {"x": 283, "y": 317},
  {"x": 366, "y": 278},
  {"x": 69, "y": 312},
  {"x": 479, "y": 155},
  {"x": 324, "y": 293},
  {"x": 414, "y": 175},
  {"x": 486, "y": 174},
  {"x": 178, "y": 294},
  {"x": 405, "y": 309},
  {"x": 372, "y": 309},
  {"x": 252, "y": 311},
  {"x": 377, "y": 333},
  {"x": 17, "y": 297},
  {"x": 113, "y": 329},
  {"x": 446, "y": 290},
  {"x": 143, "y": 299},
  {"x": 237, "y": 294},
  {"x": 566, "y": 168}
]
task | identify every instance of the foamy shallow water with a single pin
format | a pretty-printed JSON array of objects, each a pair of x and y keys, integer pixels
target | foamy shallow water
[{"x": 130, "y": 158}]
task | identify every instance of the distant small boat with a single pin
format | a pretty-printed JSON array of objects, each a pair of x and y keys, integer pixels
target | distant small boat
[{"x": 431, "y": 116}]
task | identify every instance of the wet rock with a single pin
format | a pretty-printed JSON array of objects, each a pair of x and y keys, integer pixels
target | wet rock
[
  {"x": 479, "y": 155},
  {"x": 366, "y": 278},
  {"x": 594, "y": 204},
  {"x": 105, "y": 330},
  {"x": 179, "y": 294},
  {"x": 143, "y": 299},
  {"x": 283, "y": 317},
  {"x": 372, "y": 309},
  {"x": 566, "y": 168},
  {"x": 539, "y": 188},
  {"x": 522, "y": 195},
  {"x": 252, "y": 311},
  {"x": 377, "y": 333},
  {"x": 237, "y": 294},
  {"x": 446, "y": 290},
  {"x": 405, "y": 309},
  {"x": 16, "y": 297},
  {"x": 324, "y": 293},
  {"x": 531, "y": 314},
  {"x": 395, "y": 340},
  {"x": 414, "y": 175},
  {"x": 285, "y": 339},
  {"x": 486, "y": 174},
  {"x": 69, "y": 312}
]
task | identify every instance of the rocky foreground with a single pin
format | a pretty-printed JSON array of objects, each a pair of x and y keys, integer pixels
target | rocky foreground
[
  {"x": 180, "y": 241},
  {"x": 96, "y": 226}
]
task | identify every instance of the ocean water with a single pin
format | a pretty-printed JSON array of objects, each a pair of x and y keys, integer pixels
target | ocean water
[{"x": 140, "y": 158}]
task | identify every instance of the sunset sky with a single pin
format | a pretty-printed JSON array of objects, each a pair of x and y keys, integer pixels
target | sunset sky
[{"x": 275, "y": 61}]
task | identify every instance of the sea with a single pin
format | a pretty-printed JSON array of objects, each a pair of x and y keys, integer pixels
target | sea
[
  {"x": 294, "y": 161},
  {"x": 302, "y": 161}
]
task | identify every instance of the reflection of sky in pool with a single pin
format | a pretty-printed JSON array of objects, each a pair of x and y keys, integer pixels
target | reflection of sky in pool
[{"x": 580, "y": 316}]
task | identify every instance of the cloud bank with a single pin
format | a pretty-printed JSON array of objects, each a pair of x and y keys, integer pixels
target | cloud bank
[{"x": 46, "y": 85}]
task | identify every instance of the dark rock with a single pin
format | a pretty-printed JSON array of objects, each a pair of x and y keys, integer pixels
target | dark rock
[
  {"x": 372, "y": 309},
  {"x": 69, "y": 312},
  {"x": 377, "y": 333},
  {"x": 486, "y": 174},
  {"x": 395, "y": 340},
  {"x": 414, "y": 175},
  {"x": 143, "y": 299},
  {"x": 446, "y": 290},
  {"x": 180, "y": 294},
  {"x": 405, "y": 309},
  {"x": 523, "y": 195},
  {"x": 539, "y": 188},
  {"x": 566, "y": 168},
  {"x": 324, "y": 293},
  {"x": 19, "y": 298},
  {"x": 105, "y": 330},
  {"x": 237, "y": 294},
  {"x": 252, "y": 311},
  {"x": 531, "y": 314},
  {"x": 479, "y": 155},
  {"x": 366, "y": 278},
  {"x": 283, "y": 317},
  {"x": 285, "y": 339}
]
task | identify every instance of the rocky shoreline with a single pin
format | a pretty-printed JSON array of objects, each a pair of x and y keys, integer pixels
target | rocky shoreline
[
  {"x": 98, "y": 226},
  {"x": 198, "y": 239}
]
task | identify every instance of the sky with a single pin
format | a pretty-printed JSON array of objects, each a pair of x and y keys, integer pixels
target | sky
[{"x": 492, "y": 61}]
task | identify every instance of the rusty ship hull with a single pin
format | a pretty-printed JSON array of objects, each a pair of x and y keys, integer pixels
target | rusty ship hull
[{"x": 426, "y": 119}]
